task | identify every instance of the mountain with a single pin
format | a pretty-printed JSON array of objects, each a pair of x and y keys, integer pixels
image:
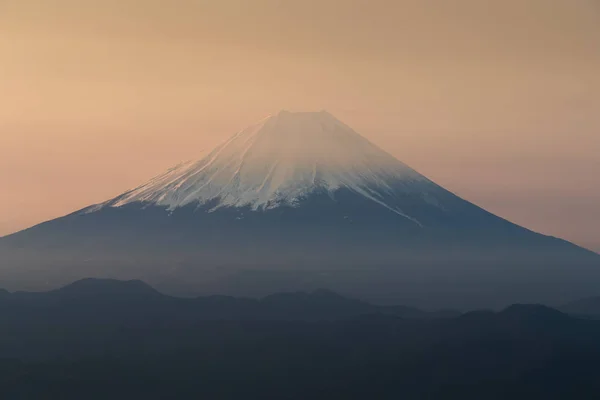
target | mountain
[
  {"x": 81, "y": 340},
  {"x": 86, "y": 315},
  {"x": 113, "y": 301},
  {"x": 300, "y": 201}
]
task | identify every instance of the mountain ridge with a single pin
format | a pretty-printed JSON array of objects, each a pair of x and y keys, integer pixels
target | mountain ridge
[{"x": 91, "y": 295}]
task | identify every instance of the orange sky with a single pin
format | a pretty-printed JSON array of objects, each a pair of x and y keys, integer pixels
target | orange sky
[{"x": 497, "y": 101}]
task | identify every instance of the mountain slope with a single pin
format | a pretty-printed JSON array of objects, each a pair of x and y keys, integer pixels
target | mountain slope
[{"x": 297, "y": 202}]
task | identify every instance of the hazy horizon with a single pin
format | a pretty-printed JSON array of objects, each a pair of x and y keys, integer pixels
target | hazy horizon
[{"x": 497, "y": 102}]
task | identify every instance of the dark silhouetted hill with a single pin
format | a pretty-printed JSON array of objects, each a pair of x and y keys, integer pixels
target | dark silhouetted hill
[{"x": 101, "y": 339}]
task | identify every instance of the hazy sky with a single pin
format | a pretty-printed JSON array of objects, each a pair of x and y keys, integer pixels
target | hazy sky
[{"x": 498, "y": 101}]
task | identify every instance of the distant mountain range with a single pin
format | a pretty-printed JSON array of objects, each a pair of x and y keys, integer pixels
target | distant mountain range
[
  {"x": 99, "y": 339},
  {"x": 300, "y": 201},
  {"x": 110, "y": 300},
  {"x": 110, "y": 305}
]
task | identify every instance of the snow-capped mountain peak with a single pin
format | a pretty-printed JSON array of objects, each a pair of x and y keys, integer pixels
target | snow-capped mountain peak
[
  {"x": 279, "y": 161},
  {"x": 298, "y": 201}
]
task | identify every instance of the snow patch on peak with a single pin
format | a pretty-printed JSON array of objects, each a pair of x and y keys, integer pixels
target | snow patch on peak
[{"x": 279, "y": 161}]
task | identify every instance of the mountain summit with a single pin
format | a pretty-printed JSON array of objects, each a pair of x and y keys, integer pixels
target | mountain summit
[
  {"x": 301, "y": 201},
  {"x": 278, "y": 162}
]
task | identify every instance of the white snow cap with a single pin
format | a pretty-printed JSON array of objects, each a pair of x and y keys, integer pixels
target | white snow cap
[{"x": 278, "y": 161}]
